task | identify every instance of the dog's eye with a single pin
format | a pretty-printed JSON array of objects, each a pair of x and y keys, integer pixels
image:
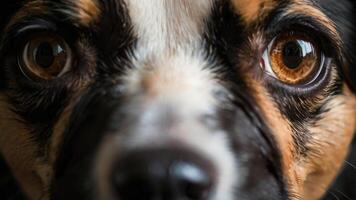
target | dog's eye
[
  {"x": 294, "y": 58},
  {"x": 45, "y": 56}
]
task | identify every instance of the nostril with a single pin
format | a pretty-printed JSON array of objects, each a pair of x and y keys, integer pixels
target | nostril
[{"x": 193, "y": 182}]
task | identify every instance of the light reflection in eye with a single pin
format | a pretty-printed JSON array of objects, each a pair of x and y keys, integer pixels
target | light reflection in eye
[{"x": 293, "y": 58}]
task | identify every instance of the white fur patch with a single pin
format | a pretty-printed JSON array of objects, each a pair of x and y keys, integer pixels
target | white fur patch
[
  {"x": 171, "y": 87},
  {"x": 162, "y": 25},
  {"x": 182, "y": 86},
  {"x": 168, "y": 96}
]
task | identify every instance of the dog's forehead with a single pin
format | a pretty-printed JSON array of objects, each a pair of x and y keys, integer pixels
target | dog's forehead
[
  {"x": 178, "y": 19},
  {"x": 181, "y": 20},
  {"x": 166, "y": 23}
]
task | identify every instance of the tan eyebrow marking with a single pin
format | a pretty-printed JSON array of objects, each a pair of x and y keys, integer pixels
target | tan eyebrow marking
[
  {"x": 81, "y": 12},
  {"x": 250, "y": 10},
  {"x": 88, "y": 11}
]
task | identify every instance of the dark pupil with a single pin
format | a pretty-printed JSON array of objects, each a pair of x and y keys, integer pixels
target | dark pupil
[
  {"x": 44, "y": 56},
  {"x": 292, "y": 54}
]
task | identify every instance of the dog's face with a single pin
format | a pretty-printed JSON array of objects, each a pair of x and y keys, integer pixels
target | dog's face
[{"x": 176, "y": 99}]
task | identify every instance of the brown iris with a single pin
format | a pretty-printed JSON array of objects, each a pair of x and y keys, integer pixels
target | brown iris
[
  {"x": 45, "y": 56},
  {"x": 294, "y": 58}
]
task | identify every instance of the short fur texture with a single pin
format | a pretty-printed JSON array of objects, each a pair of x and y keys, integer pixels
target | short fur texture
[{"x": 181, "y": 74}]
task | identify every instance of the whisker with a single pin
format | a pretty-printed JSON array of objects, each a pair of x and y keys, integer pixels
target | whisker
[
  {"x": 350, "y": 164},
  {"x": 343, "y": 194},
  {"x": 333, "y": 194}
]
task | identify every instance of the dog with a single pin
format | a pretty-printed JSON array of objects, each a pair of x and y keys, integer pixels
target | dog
[{"x": 176, "y": 99}]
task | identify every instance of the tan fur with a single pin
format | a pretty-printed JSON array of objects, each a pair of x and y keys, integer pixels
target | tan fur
[
  {"x": 88, "y": 11},
  {"x": 331, "y": 138},
  {"x": 82, "y": 12},
  {"x": 250, "y": 10},
  {"x": 19, "y": 152},
  {"x": 34, "y": 174},
  {"x": 309, "y": 177},
  {"x": 58, "y": 131},
  {"x": 303, "y": 7},
  {"x": 282, "y": 133}
]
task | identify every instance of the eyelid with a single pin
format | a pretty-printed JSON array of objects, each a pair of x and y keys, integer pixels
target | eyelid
[
  {"x": 282, "y": 21},
  {"x": 19, "y": 32},
  {"x": 36, "y": 24},
  {"x": 320, "y": 82},
  {"x": 329, "y": 40}
]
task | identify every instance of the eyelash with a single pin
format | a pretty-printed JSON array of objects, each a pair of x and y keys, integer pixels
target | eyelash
[
  {"x": 19, "y": 33},
  {"x": 305, "y": 24}
]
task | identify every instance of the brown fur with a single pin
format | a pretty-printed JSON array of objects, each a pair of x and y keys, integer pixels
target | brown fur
[
  {"x": 252, "y": 9},
  {"x": 331, "y": 137},
  {"x": 82, "y": 12},
  {"x": 281, "y": 130},
  {"x": 299, "y": 7},
  {"x": 35, "y": 173},
  {"x": 309, "y": 177},
  {"x": 19, "y": 151},
  {"x": 59, "y": 128},
  {"x": 88, "y": 12}
]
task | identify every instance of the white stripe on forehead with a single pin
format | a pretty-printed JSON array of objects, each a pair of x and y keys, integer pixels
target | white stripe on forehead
[
  {"x": 171, "y": 85},
  {"x": 169, "y": 53},
  {"x": 161, "y": 25}
]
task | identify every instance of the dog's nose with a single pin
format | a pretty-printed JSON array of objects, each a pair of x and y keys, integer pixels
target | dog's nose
[{"x": 162, "y": 175}]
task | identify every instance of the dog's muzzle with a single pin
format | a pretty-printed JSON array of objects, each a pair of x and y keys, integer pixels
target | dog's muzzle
[{"x": 114, "y": 151}]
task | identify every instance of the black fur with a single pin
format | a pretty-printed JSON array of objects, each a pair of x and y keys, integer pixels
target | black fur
[
  {"x": 343, "y": 14},
  {"x": 98, "y": 106}
]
